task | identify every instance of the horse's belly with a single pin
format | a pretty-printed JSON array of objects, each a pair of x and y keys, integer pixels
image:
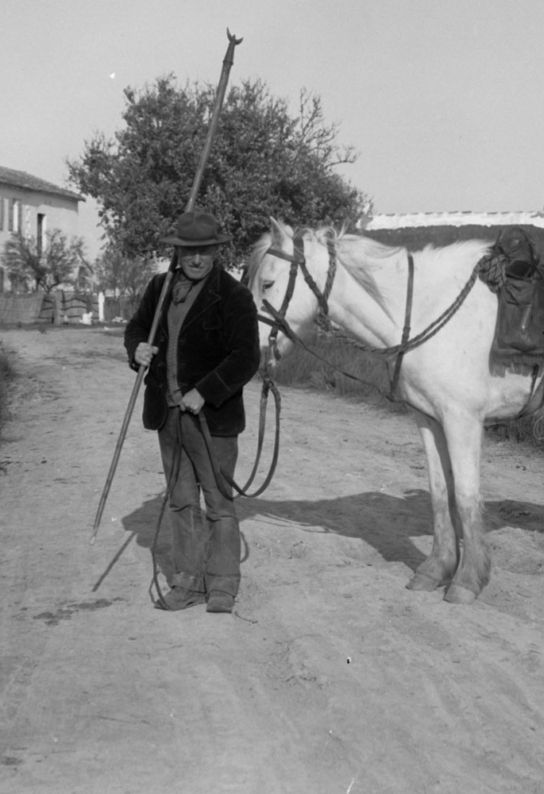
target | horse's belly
[{"x": 509, "y": 394}]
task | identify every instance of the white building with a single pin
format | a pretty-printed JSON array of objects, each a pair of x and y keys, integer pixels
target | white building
[
  {"x": 420, "y": 219},
  {"x": 32, "y": 206}
]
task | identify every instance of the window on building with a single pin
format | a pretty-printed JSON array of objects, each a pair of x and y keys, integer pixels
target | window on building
[
  {"x": 17, "y": 213},
  {"x": 15, "y": 216},
  {"x": 40, "y": 232}
]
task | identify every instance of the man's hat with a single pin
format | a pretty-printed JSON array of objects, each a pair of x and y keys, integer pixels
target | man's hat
[{"x": 197, "y": 228}]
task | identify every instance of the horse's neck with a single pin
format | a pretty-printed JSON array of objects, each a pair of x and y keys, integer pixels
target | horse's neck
[{"x": 374, "y": 316}]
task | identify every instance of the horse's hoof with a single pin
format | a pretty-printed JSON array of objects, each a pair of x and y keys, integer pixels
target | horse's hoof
[
  {"x": 459, "y": 595},
  {"x": 421, "y": 581}
]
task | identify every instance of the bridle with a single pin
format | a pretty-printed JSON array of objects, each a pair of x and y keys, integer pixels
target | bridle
[{"x": 277, "y": 319}]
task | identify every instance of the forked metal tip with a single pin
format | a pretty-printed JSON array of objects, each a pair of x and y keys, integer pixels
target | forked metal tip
[{"x": 233, "y": 38}]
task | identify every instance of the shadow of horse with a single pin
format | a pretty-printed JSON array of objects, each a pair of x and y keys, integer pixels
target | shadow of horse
[{"x": 385, "y": 522}]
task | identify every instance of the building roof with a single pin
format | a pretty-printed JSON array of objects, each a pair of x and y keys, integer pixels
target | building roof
[
  {"x": 459, "y": 218},
  {"x": 8, "y": 176}
]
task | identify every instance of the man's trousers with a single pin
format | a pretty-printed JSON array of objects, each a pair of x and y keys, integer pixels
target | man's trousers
[{"x": 206, "y": 548}]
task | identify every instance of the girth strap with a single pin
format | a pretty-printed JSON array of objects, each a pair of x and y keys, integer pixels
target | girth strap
[{"x": 406, "y": 329}]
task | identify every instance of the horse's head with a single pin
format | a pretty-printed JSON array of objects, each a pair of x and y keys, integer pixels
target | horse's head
[{"x": 278, "y": 292}]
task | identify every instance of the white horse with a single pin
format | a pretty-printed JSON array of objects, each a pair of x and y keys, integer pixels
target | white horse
[{"x": 447, "y": 380}]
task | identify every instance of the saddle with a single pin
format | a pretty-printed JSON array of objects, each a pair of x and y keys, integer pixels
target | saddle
[{"x": 514, "y": 272}]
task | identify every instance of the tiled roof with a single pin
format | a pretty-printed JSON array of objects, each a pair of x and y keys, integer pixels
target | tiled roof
[{"x": 8, "y": 176}]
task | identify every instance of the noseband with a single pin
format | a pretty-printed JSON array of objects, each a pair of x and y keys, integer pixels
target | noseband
[{"x": 277, "y": 320}]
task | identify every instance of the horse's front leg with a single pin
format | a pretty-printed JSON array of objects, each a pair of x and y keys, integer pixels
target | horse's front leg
[
  {"x": 440, "y": 566},
  {"x": 464, "y": 435}
]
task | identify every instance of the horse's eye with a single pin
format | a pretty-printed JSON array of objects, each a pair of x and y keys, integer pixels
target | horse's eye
[{"x": 267, "y": 284}]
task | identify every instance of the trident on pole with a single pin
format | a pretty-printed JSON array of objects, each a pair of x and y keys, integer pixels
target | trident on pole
[{"x": 221, "y": 88}]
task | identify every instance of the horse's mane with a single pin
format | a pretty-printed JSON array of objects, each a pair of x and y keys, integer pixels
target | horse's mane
[
  {"x": 462, "y": 249},
  {"x": 352, "y": 248},
  {"x": 263, "y": 244},
  {"x": 349, "y": 248},
  {"x": 324, "y": 234},
  {"x": 255, "y": 258},
  {"x": 365, "y": 258}
]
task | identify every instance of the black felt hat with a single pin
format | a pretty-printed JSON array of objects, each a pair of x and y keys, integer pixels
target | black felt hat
[{"x": 197, "y": 228}]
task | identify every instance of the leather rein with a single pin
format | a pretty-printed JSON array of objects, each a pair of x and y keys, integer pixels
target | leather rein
[{"x": 278, "y": 322}]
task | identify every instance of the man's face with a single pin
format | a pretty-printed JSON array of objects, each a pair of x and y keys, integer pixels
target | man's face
[{"x": 197, "y": 261}]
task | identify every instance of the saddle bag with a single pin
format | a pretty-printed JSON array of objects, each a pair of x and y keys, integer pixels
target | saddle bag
[
  {"x": 517, "y": 248},
  {"x": 519, "y": 334}
]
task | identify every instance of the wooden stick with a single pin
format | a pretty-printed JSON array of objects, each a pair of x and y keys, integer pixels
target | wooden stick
[{"x": 220, "y": 95}]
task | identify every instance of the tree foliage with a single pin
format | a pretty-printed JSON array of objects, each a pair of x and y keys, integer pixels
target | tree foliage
[
  {"x": 263, "y": 162},
  {"x": 121, "y": 275},
  {"x": 61, "y": 261}
]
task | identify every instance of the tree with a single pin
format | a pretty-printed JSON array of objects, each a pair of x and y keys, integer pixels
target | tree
[
  {"x": 122, "y": 276},
  {"x": 60, "y": 262},
  {"x": 263, "y": 162}
]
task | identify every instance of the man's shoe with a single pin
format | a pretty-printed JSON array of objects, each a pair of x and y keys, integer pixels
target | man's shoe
[
  {"x": 220, "y": 602},
  {"x": 180, "y": 598}
]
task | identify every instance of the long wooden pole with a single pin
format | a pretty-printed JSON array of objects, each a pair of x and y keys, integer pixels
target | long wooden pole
[{"x": 228, "y": 60}]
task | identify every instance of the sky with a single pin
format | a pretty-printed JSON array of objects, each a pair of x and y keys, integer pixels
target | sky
[{"x": 442, "y": 99}]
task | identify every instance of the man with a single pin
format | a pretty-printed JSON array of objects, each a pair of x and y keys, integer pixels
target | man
[{"x": 206, "y": 349}]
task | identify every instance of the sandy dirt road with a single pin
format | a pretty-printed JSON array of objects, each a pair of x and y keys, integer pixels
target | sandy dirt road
[{"x": 332, "y": 678}]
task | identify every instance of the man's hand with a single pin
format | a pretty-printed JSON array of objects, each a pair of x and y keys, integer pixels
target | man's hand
[
  {"x": 192, "y": 401},
  {"x": 144, "y": 353}
]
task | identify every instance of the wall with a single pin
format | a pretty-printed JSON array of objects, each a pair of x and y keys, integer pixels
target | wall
[
  {"x": 416, "y": 230},
  {"x": 415, "y": 238},
  {"x": 59, "y": 212}
]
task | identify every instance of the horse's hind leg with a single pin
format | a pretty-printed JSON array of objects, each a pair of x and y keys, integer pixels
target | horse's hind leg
[
  {"x": 440, "y": 566},
  {"x": 464, "y": 437}
]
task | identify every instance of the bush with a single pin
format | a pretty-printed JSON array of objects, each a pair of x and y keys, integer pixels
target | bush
[
  {"x": 527, "y": 430},
  {"x": 7, "y": 375}
]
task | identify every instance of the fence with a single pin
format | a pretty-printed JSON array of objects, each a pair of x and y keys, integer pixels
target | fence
[
  {"x": 68, "y": 306},
  {"x": 122, "y": 308},
  {"x": 54, "y": 307},
  {"x": 20, "y": 308}
]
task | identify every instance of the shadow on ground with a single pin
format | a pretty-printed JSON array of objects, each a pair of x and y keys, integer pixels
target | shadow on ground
[{"x": 386, "y": 523}]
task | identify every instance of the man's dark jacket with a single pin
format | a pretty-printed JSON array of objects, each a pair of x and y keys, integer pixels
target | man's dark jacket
[{"x": 218, "y": 351}]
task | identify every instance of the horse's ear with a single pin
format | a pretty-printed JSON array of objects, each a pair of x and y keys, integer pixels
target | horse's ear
[
  {"x": 279, "y": 232},
  {"x": 276, "y": 232}
]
